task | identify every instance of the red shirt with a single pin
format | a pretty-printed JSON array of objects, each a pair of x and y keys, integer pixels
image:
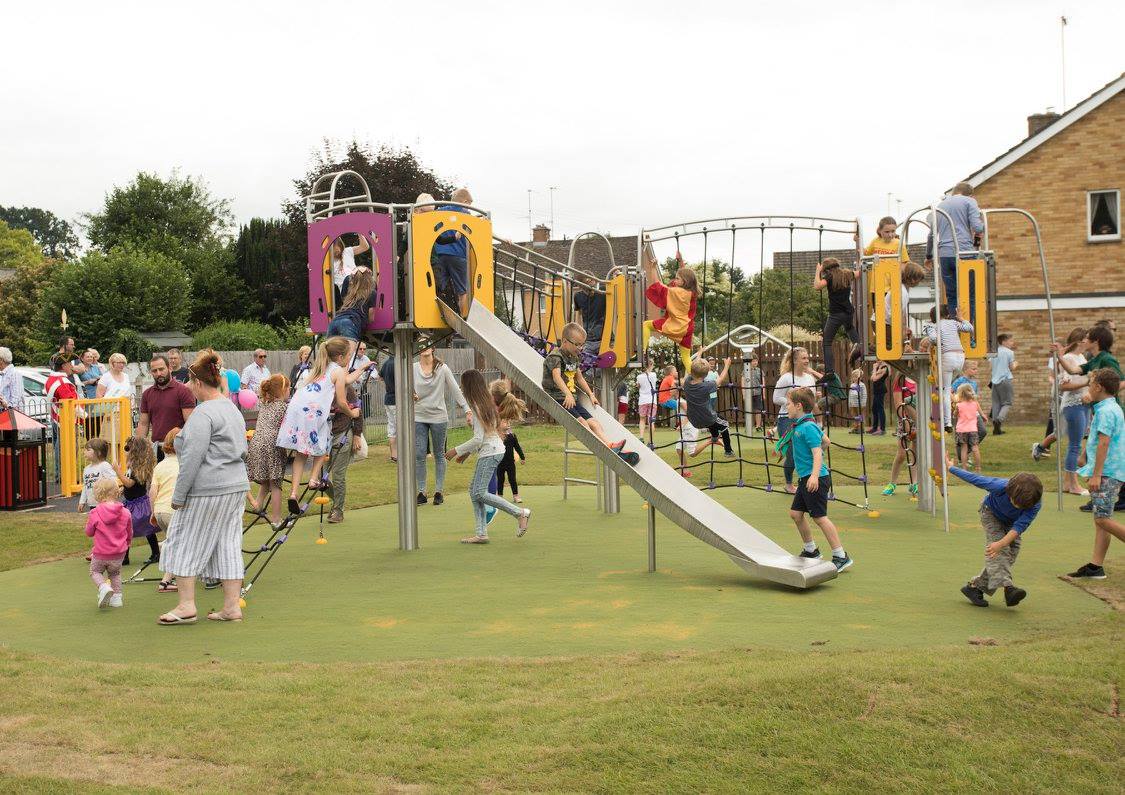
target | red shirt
[
  {"x": 165, "y": 407},
  {"x": 59, "y": 387},
  {"x": 664, "y": 392}
]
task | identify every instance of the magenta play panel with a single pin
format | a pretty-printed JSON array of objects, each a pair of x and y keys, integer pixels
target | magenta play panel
[{"x": 376, "y": 227}]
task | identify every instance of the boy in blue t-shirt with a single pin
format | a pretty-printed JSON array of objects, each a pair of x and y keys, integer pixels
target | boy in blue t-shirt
[
  {"x": 450, "y": 257},
  {"x": 1104, "y": 467},
  {"x": 814, "y": 480}
]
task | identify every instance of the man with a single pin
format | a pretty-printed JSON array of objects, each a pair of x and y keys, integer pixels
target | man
[
  {"x": 967, "y": 224},
  {"x": 11, "y": 383},
  {"x": 59, "y": 387},
  {"x": 165, "y": 405},
  {"x": 361, "y": 359},
  {"x": 256, "y": 372},
  {"x": 176, "y": 364}
]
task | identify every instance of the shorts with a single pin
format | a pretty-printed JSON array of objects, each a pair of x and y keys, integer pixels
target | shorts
[
  {"x": 623, "y": 406},
  {"x": 344, "y": 326},
  {"x": 971, "y": 438},
  {"x": 579, "y": 411},
  {"x": 451, "y": 273},
  {"x": 1105, "y": 497},
  {"x": 815, "y": 504},
  {"x": 757, "y": 404},
  {"x": 647, "y": 411},
  {"x": 669, "y": 404},
  {"x": 392, "y": 421}
]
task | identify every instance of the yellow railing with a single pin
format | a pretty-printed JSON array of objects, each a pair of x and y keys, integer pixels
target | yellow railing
[{"x": 84, "y": 419}]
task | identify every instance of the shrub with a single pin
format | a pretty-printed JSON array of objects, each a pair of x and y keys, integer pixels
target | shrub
[
  {"x": 241, "y": 335},
  {"x": 294, "y": 334}
]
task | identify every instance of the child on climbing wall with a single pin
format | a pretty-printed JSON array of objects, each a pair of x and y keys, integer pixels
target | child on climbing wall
[
  {"x": 678, "y": 299},
  {"x": 698, "y": 390},
  {"x": 841, "y": 314}
]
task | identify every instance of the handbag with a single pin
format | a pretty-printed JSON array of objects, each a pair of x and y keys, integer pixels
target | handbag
[
  {"x": 982, "y": 428},
  {"x": 361, "y": 453}
]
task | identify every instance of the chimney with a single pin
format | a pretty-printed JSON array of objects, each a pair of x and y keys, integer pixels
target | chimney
[
  {"x": 1038, "y": 121},
  {"x": 540, "y": 235}
]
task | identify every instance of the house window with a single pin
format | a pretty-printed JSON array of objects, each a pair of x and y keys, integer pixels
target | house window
[{"x": 1103, "y": 215}]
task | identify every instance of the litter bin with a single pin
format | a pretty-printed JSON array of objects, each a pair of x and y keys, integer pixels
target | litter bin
[{"x": 23, "y": 461}]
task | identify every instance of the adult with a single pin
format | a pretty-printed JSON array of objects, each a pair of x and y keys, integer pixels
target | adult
[
  {"x": 795, "y": 372},
  {"x": 176, "y": 364},
  {"x": 115, "y": 382},
  {"x": 343, "y": 263},
  {"x": 962, "y": 208},
  {"x": 11, "y": 383},
  {"x": 591, "y": 303},
  {"x": 165, "y": 405},
  {"x": 66, "y": 350},
  {"x": 59, "y": 387},
  {"x": 205, "y": 534},
  {"x": 434, "y": 386},
  {"x": 361, "y": 358},
  {"x": 1075, "y": 412},
  {"x": 256, "y": 372},
  {"x": 92, "y": 375},
  {"x": 387, "y": 376},
  {"x": 300, "y": 369}
]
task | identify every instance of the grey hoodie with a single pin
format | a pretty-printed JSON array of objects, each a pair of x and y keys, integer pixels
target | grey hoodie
[{"x": 212, "y": 451}]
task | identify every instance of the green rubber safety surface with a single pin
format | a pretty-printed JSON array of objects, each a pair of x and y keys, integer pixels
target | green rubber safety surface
[{"x": 575, "y": 584}]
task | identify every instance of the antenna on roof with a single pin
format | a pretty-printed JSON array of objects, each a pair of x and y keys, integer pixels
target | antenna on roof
[{"x": 1062, "y": 58}]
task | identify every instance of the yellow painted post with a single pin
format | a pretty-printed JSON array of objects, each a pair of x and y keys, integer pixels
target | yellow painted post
[
  {"x": 886, "y": 277},
  {"x": 974, "y": 272},
  {"x": 425, "y": 228},
  {"x": 124, "y": 426},
  {"x": 329, "y": 287},
  {"x": 68, "y": 449},
  {"x": 614, "y": 336},
  {"x": 555, "y": 318}
]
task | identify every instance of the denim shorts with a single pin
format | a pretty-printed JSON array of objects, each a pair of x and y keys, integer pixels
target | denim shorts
[
  {"x": 1105, "y": 497},
  {"x": 578, "y": 411},
  {"x": 451, "y": 273},
  {"x": 345, "y": 326}
]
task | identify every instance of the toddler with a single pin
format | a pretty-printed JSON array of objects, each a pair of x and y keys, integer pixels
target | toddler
[
  {"x": 96, "y": 451},
  {"x": 501, "y": 389},
  {"x": 111, "y": 527},
  {"x": 968, "y": 439},
  {"x": 265, "y": 461}
]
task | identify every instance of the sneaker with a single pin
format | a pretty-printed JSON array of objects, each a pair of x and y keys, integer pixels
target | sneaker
[
  {"x": 439, "y": 498},
  {"x": 686, "y": 473},
  {"x": 949, "y": 429},
  {"x": 525, "y": 519},
  {"x": 889, "y": 490},
  {"x": 1013, "y": 595},
  {"x": 1037, "y": 451},
  {"x": 806, "y": 554},
  {"x": 1088, "y": 572},
  {"x": 422, "y": 499},
  {"x": 104, "y": 593},
  {"x": 728, "y": 454},
  {"x": 617, "y": 447},
  {"x": 913, "y": 489},
  {"x": 843, "y": 563},
  {"x": 974, "y": 595},
  {"x": 335, "y": 516},
  {"x": 116, "y": 600},
  {"x": 1087, "y": 508}
]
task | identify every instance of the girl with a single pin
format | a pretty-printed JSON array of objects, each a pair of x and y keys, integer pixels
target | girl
[
  {"x": 500, "y": 390},
  {"x": 265, "y": 461},
  {"x": 857, "y": 398},
  {"x": 343, "y": 264},
  {"x": 903, "y": 391},
  {"x": 160, "y": 494},
  {"x": 678, "y": 300},
  {"x": 112, "y": 529},
  {"x": 1075, "y": 413},
  {"x": 795, "y": 371},
  {"x": 487, "y": 418},
  {"x": 434, "y": 387},
  {"x": 841, "y": 313},
  {"x": 135, "y": 475},
  {"x": 886, "y": 242},
  {"x": 952, "y": 352},
  {"x": 880, "y": 374},
  {"x": 306, "y": 429},
  {"x": 354, "y": 311},
  {"x": 646, "y": 396},
  {"x": 96, "y": 451},
  {"x": 968, "y": 409},
  {"x": 752, "y": 377}
]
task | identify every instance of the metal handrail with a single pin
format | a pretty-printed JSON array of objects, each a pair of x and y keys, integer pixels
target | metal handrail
[{"x": 850, "y": 222}]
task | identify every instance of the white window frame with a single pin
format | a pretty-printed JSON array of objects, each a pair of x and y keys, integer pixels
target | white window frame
[{"x": 1090, "y": 236}]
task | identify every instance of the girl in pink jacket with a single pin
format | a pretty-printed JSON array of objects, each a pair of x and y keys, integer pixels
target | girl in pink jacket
[{"x": 111, "y": 526}]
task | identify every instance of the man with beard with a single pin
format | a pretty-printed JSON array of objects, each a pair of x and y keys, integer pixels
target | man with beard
[{"x": 165, "y": 405}]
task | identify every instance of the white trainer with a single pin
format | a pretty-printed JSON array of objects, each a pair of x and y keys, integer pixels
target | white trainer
[
  {"x": 116, "y": 600},
  {"x": 525, "y": 519},
  {"x": 104, "y": 593}
]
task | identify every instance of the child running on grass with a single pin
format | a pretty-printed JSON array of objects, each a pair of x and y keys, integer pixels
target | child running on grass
[
  {"x": 487, "y": 419},
  {"x": 96, "y": 451},
  {"x": 140, "y": 460},
  {"x": 1005, "y": 514},
  {"x": 1104, "y": 467},
  {"x": 678, "y": 299},
  {"x": 968, "y": 411},
  {"x": 501, "y": 390},
  {"x": 698, "y": 392},
  {"x": 111, "y": 527},
  {"x": 814, "y": 481}
]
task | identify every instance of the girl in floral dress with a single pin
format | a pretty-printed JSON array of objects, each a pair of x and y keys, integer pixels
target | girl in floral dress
[{"x": 265, "y": 461}]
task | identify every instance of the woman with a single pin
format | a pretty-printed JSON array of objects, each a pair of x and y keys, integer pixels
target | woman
[
  {"x": 795, "y": 371},
  {"x": 94, "y": 372},
  {"x": 114, "y": 383},
  {"x": 1075, "y": 413},
  {"x": 300, "y": 369},
  {"x": 205, "y": 534},
  {"x": 434, "y": 385}
]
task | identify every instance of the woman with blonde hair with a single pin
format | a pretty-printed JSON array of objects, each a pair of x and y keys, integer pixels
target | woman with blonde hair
[
  {"x": 301, "y": 368},
  {"x": 795, "y": 372}
]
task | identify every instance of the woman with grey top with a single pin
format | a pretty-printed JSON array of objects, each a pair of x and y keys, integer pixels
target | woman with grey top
[
  {"x": 205, "y": 534},
  {"x": 434, "y": 385}
]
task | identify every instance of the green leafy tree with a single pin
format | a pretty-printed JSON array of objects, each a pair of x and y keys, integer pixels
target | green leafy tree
[
  {"x": 20, "y": 295},
  {"x": 104, "y": 294},
  {"x": 242, "y": 335},
  {"x": 765, "y": 299},
  {"x": 217, "y": 291},
  {"x": 294, "y": 334},
  {"x": 259, "y": 252},
  {"x": 54, "y": 235}
]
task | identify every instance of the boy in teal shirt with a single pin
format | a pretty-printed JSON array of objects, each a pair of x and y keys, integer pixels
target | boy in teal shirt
[
  {"x": 814, "y": 480},
  {"x": 1104, "y": 467}
]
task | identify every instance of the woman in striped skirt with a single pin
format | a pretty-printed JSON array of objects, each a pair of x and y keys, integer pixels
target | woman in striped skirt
[{"x": 205, "y": 534}]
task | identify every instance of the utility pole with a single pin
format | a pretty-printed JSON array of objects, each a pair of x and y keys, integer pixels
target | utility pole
[
  {"x": 552, "y": 190},
  {"x": 1062, "y": 58},
  {"x": 530, "y": 225}
]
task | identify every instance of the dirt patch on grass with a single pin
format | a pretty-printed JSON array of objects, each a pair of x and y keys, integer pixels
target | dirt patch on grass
[{"x": 1110, "y": 593}]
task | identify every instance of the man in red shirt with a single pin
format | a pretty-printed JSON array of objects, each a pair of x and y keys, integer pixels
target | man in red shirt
[
  {"x": 165, "y": 405},
  {"x": 59, "y": 385}
]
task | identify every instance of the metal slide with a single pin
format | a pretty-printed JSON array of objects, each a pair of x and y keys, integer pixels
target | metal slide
[{"x": 652, "y": 478}]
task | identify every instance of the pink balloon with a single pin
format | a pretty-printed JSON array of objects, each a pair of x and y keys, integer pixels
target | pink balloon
[{"x": 247, "y": 399}]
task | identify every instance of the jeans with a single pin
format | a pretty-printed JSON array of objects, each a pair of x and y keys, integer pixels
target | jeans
[
  {"x": 833, "y": 324},
  {"x": 435, "y": 431},
  {"x": 1076, "y": 418},
  {"x": 783, "y": 425},
  {"x": 879, "y": 409},
  {"x": 478, "y": 493},
  {"x": 949, "y": 279}
]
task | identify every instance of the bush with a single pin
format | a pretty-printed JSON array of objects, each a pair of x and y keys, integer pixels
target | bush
[
  {"x": 132, "y": 346},
  {"x": 294, "y": 334},
  {"x": 241, "y": 335}
]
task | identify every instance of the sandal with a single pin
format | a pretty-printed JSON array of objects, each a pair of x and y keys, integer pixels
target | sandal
[
  {"x": 475, "y": 540},
  {"x": 172, "y": 620},
  {"x": 167, "y": 586},
  {"x": 216, "y": 615},
  {"x": 295, "y": 508}
]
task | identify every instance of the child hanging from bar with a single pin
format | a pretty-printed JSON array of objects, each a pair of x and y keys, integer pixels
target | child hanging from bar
[{"x": 678, "y": 299}]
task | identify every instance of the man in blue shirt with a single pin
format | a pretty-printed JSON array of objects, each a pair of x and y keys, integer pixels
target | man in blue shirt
[
  {"x": 1008, "y": 510},
  {"x": 450, "y": 257},
  {"x": 967, "y": 224}
]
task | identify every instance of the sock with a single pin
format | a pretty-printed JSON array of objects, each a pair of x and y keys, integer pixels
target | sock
[
  {"x": 838, "y": 552},
  {"x": 810, "y": 546}
]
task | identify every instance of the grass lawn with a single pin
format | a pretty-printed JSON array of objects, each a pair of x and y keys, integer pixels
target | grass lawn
[{"x": 558, "y": 663}]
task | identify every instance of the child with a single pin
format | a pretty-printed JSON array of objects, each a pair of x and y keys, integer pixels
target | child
[
  {"x": 140, "y": 460},
  {"x": 678, "y": 299},
  {"x": 1104, "y": 467},
  {"x": 354, "y": 313},
  {"x": 622, "y": 402},
  {"x": 667, "y": 396},
  {"x": 841, "y": 313},
  {"x": 1008, "y": 510},
  {"x": 969, "y": 373},
  {"x": 306, "y": 429},
  {"x": 111, "y": 527},
  {"x": 561, "y": 376},
  {"x": 968, "y": 440},
  {"x": 880, "y": 374},
  {"x": 96, "y": 451},
  {"x": 160, "y": 494},
  {"x": 1002, "y": 368},
  {"x": 450, "y": 256},
  {"x": 500, "y": 389},
  {"x": 698, "y": 390},
  {"x": 752, "y": 378},
  {"x": 347, "y": 433},
  {"x": 814, "y": 480},
  {"x": 265, "y": 461},
  {"x": 487, "y": 418},
  {"x": 857, "y": 399},
  {"x": 910, "y": 275},
  {"x": 952, "y": 352},
  {"x": 885, "y": 243},
  {"x": 646, "y": 397},
  {"x": 903, "y": 390}
]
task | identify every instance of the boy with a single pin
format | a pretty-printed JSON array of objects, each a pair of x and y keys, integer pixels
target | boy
[
  {"x": 814, "y": 481},
  {"x": 667, "y": 394},
  {"x": 561, "y": 375},
  {"x": 1001, "y": 382},
  {"x": 752, "y": 381},
  {"x": 450, "y": 257},
  {"x": 968, "y": 376},
  {"x": 700, "y": 394},
  {"x": 1104, "y": 467},
  {"x": 1008, "y": 510}
]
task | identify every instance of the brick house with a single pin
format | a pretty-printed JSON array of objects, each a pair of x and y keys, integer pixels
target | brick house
[{"x": 1069, "y": 173}]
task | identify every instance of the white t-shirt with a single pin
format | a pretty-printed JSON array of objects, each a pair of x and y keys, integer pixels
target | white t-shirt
[
  {"x": 1071, "y": 397},
  {"x": 646, "y": 388},
  {"x": 343, "y": 267},
  {"x": 786, "y": 382},
  {"x": 114, "y": 388},
  {"x": 905, "y": 306}
]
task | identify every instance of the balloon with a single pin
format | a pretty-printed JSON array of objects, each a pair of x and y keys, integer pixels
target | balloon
[{"x": 247, "y": 399}]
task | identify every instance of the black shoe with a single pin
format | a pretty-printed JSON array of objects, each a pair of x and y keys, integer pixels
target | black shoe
[
  {"x": 1088, "y": 572},
  {"x": 974, "y": 595},
  {"x": 125, "y": 561},
  {"x": 806, "y": 554},
  {"x": 422, "y": 499},
  {"x": 1013, "y": 595},
  {"x": 949, "y": 429},
  {"x": 1087, "y": 508},
  {"x": 1119, "y": 507},
  {"x": 996, "y": 429},
  {"x": 153, "y": 559},
  {"x": 438, "y": 498}
]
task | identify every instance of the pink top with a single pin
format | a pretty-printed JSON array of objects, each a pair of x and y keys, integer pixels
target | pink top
[
  {"x": 967, "y": 411},
  {"x": 111, "y": 526}
]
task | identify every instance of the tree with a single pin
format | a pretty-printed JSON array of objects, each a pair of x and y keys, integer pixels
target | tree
[
  {"x": 54, "y": 235},
  {"x": 766, "y": 301},
  {"x": 259, "y": 252},
  {"x": 20, "y": 294},
  {"x": 217, "y": 291},
  {"x": 161, "y": 215},
  {"x": 242, "y": 335},
  {"x": 106, "y": 294}
]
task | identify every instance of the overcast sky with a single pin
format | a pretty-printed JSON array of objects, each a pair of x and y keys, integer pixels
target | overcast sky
[{"x": 640, "y": 113}]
